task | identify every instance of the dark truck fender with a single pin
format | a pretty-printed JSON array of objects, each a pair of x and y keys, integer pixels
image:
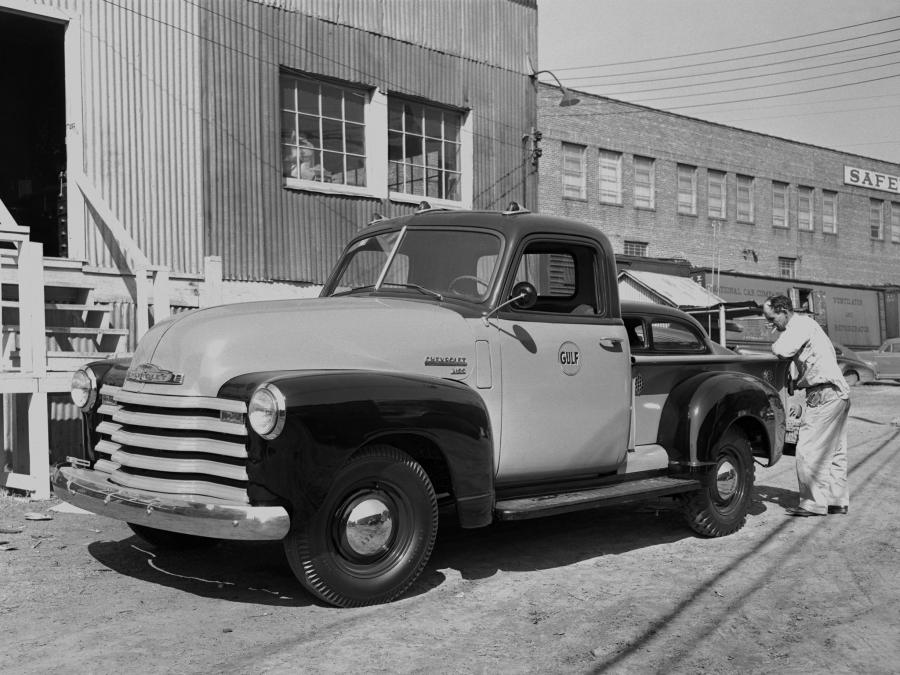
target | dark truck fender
[
  {"x": 330, "y": 415},
  {"x": 702, "y": 408}
]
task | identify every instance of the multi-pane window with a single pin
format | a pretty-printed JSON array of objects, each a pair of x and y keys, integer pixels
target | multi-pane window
[
  {"x": 716, "y": 206},
  {"x": 687, "y": 189},
  {"x": 779, "y": 204},
  {"x": 610, "y": 177},
  {"x": 876, "y": 219},
  {"x": 322, "y": 132},
  {"x": 745, "y": 199},
  {"x": 895, "y": 222},
  {"x": 787, "y": 267},
  {"x": 636, "y": 248},
  {"x": 644, "y": 183},
  {"x": 829, "y": 212},
  {"x": 804, "y": 208},
  {"x": 423, "y": 150},
  {"x": 573, "y": 173}
]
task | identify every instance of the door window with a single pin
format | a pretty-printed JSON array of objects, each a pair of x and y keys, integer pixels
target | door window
[{"x": 564, "y": 276}]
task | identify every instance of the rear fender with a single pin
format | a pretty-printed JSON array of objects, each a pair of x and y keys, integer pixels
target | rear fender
[
  {"x": 701, "y": 409},
  {"x": 330, "y": 415}
]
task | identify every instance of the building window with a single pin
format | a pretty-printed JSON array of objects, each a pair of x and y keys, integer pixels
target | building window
[
  {"x": 829, "y": 212},
  {"x": 876, "y": 219},
  {"x": 687, "y": 189},
  {"x": 787, "y": 268},
  {"x": 636, "y": 248},
  {"x": 644, "y": 183},
  {"x": 745, "y": 199},
  {"x": 716, "y": 206},
  {"x": 610, "y": 177},
  {"x": 779, "y": 204},
  {"x": 323, "y": 132},
  {"x": 804, "y": 208},
  {"x": 424, "y": 150},
  {"x": 895, "y": 222},
  {"x": 573, "y": 173}
]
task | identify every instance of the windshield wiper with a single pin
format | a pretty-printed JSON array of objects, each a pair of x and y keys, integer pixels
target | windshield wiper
[
  {"x": 353, "y": 290},
  {"x": 421, "y": 289}
]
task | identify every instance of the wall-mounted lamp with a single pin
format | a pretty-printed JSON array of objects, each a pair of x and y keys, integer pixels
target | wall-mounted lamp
[
  {"x": 567, "y": 97},
  {"x": 749, "y": 253}
]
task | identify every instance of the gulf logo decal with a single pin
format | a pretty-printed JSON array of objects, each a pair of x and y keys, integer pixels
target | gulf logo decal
[{"x": 569, "y": 358}]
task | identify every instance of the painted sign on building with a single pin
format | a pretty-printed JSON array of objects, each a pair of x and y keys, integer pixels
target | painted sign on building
[{"x": 871, "y": 179}]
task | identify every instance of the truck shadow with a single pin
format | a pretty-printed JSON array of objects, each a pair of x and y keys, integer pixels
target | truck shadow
[{"x": 257, "y": 572}]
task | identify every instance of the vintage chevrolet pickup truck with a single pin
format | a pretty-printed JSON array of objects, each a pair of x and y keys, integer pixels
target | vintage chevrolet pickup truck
[{"x": 473, "y": 365}]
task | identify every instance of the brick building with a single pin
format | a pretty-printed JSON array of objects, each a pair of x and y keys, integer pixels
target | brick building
[{"x": 737, "y": 203}]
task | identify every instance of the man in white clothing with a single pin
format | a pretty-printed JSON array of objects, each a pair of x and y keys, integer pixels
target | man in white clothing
[{"x": 822, "y": 441}]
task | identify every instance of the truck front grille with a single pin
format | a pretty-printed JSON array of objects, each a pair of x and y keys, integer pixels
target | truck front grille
[{"x": 193, "y": 446}]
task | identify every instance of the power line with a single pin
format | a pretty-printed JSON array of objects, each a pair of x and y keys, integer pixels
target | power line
[
  {"x": 571, "y": 83},
  {"x": 726, "y": 49}
]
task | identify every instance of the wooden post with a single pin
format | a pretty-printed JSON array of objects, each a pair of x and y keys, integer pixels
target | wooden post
[
  {"x": 211, "y": 288},
  {"x": 161, "y": 294},
  {"x": 141, "y": 309}
]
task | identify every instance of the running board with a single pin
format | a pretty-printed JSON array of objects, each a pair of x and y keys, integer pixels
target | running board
[{"x": 565, "y": 502}]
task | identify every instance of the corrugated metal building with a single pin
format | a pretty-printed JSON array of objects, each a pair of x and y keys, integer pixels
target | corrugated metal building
[{"x": 176, "y": 120}]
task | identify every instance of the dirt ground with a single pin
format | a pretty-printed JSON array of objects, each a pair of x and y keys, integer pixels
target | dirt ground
[{"x": 627, "y": 589}]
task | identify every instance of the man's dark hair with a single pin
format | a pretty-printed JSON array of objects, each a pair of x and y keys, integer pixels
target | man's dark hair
[{"x": 780, "y": 304}]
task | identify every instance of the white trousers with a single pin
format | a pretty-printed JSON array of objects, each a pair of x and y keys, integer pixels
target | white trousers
[{"x": 822, "y": 456}]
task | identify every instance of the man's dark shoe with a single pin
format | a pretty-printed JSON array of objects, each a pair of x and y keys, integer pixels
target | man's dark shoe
[
  {"x": 800, "y": 512},
  {"x": 838, "y": 509}
]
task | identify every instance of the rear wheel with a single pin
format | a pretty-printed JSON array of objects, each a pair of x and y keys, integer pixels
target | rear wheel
[
  {"x": 720, "y": 508},
  {"x": 373, "y": 534},
  {"x": 851, "y": 378},
  {"x": 171, "y": 541}
]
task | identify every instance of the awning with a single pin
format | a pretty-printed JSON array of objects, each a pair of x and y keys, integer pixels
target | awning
[{"x": 665, "y": 289}]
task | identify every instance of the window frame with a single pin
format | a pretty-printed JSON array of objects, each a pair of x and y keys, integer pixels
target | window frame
[
  {"x": 722, "y": 213},
  {"x": 895, "y": 222},
  {"x": 679, "y": 204},
  {"x": 787, "y": 263},
  {"x": 805, "y": 193},
  {"x": 746, "y": 184},
  {"x": 618, "y": 181},
  {"x": 776, "y": 186},
  {"x": 641, "y": 246},
  {"x": 582, "y": 170},
  {"x": 829, "y": 195},
  {"x": 649, "y": 186},
  {"x": 876, "y": 206}
]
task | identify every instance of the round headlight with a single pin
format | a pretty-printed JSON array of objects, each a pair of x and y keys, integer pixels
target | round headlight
[
  {"x": 83, "y": 389},
  {"x": 266, "y": 411}
]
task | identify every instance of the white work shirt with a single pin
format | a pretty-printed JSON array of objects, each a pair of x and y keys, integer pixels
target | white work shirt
[{"x": 804, "y": 341}]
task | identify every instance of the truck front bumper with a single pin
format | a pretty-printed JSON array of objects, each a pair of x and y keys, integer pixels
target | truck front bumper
[{"x": 210, "y": 518}]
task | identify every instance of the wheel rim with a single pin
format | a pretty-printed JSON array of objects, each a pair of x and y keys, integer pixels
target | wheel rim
[
  {"x": 365, "y": 526},
  {"x": 727, "y": 483}
]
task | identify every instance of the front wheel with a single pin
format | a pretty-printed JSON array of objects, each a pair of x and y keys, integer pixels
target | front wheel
[
  {"x": 852, "y": 378},
  {"x": 372, "y": 535},
  {"x": 720, "y": 508}
]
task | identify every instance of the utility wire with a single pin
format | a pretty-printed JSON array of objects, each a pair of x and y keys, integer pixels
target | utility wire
[
  {"x": 726, "y": 49},
  {"x": 694, "y": 85},
  {"x": 571, "y": 81}
]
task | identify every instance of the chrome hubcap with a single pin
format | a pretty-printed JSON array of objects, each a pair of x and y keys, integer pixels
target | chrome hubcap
[
  {"x": 726, "y": 479},
  {"x": 367, "y": 525}
]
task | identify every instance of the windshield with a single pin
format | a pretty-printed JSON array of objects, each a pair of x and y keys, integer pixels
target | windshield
[{"x": 428, "y": 261}]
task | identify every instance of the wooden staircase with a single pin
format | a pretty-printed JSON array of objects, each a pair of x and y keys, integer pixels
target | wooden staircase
[{"x": 77, "y": 328}]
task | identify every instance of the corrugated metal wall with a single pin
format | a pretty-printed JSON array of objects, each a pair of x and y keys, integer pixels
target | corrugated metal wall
[
  {"x": 263, "y": 231},
  {"x": 141, "y": 115}
]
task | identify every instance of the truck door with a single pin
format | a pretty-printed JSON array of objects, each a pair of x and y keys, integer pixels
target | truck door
[{"x": 565, "y": 366}]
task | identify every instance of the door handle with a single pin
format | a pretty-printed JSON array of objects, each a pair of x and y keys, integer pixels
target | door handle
[{"x": 611, "y": 344}]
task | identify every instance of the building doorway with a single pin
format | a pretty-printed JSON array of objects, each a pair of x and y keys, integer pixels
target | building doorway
[{"x": 33, "y": 127}]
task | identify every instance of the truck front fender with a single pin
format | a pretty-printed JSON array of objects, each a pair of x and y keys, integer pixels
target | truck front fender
[
  {"x": 332, "y": 414},
  {"x": 701, "y": 409}
]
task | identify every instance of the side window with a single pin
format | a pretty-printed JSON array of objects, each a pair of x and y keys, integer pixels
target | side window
[
  {"x": 673, "y": 336},
  {"x": 564, "y": 275},
  {"x": 634, "y": 326}
]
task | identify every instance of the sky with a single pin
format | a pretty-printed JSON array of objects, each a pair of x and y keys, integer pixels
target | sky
[{"x": 660, "y": 53}]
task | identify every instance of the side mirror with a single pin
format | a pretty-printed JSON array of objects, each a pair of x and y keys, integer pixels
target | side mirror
[{"x": 524, "y": 294}]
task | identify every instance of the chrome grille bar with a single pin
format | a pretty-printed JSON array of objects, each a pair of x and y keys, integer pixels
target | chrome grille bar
[
  {"x": 189, "y": 422},
  {"x": 169, "y": 465}
]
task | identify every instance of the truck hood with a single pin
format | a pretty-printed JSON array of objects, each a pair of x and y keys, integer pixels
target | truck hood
[{"x": 208, "y": 347}]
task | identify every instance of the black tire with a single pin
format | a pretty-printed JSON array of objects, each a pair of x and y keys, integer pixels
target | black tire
[
  {"x": 390, "y": 498},
  {"x": 720, "y": 508},
  {"x": 852, "y": 378},
  {"x": 170, "y": 541}
]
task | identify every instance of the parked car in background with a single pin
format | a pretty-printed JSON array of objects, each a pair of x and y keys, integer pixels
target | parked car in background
[
  {"x": 856, "y": 369},
  {"x": 885, "y": 359}
]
